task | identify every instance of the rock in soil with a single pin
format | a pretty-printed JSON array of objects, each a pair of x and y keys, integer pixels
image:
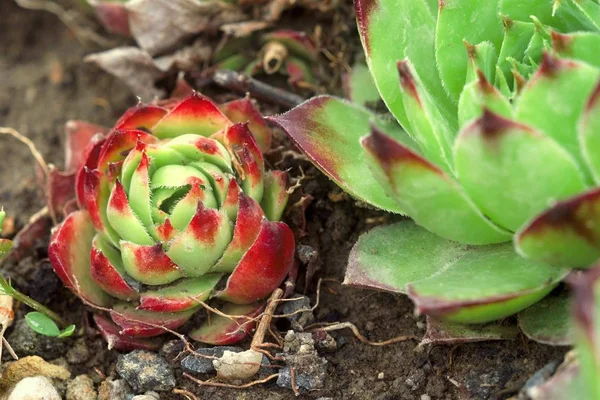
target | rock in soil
[
  {"x": 81, "y": 388},
  {"x": 34, "y": 388},
  {"x": 324, "y": 342},
  {"x": 146, "y": 371},
  {"x": 203, "y": 365},
  {"x": 25, "y": 342},
  {"x": 79, "y": 352},
  {"x": 14, "y": 372},
  {"x": 302, "y": 360},
  {"x": 299, "y": 319},
  {"x": 147, "y": 396},
  {"x": 171, "y": 349},
  {"x": 114, "y": 390}
]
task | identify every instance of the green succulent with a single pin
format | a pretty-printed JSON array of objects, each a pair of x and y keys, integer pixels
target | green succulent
[{"x": 498, "y": 161}]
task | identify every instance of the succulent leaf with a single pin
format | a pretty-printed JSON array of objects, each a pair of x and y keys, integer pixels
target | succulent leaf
[
  {"x": 222, "y": 331},
  {"x": 446, "y": 279},
  {"x": 549, "y": 321},
  {"x": 430, "y": 196},
  {"x": 328, "y": 130}
]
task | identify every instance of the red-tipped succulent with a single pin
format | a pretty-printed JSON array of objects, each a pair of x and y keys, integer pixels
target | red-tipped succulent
[{"x": 176, "y": 208}]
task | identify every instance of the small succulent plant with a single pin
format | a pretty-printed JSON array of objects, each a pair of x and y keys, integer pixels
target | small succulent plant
[
  {"x": 500, "y": 105},
  {"x": 284, "y": 51},
  {"x": 174, "y": 200}
]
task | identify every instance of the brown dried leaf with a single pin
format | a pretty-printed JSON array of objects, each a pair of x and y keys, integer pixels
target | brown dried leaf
[
  {"x": 134, "y": 66},
  {"x": 158, "y": 25}
]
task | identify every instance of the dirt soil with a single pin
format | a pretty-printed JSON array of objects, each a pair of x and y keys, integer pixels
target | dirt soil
[{"x": 44, "y": 83}]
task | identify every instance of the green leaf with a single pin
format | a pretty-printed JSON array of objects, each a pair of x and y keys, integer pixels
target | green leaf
[
  {"x": 563, "y": 235},
  {"x": 445, "y": 279},
  {"x": 328, "y": 130},
  {"x": 513, "y": 172},
  {"x": 460, "y": 20},
  {"x": 428, "y": 195},
  {"x": 360, "y": 87},
  {"x": 68, "y": 331},
  {"x": 444, "y": 332},
  {"x": 549, "y": 321},
  {"x": 393, "y": 30},
  {"x": 561, "y": 88},
  {"x": 42, "y": 324},
  {"x": 589, "y": 126}
]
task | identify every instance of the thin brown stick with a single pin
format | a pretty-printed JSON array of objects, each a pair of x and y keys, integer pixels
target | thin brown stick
[
  {"x": 266, "y": 319},
  {"x": 348, "y": 325},
  {"x": 293, "y": 381},
  {"x": 227, "y": 385},
  {"x": 186, "y": 394},
  {"x": 243, "y": 83},
  {"x": 4, "y": 130}
]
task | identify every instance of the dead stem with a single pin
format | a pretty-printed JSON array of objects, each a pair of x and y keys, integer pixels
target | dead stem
[
  {"x": 266, "y": 319},
  {"x": 245, "y": 84},
  {"x": 228, "y": 385},
  {"x": 4, "y": 130},
  {"x": 186, "y": 394},
  {"x": 348, "y": 325}
]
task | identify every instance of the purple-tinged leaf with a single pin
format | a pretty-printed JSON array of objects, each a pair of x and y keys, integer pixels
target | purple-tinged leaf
[
  {"x": 111, "y": 334},
  {"x": 328, "y": 131},
  {"x": 563, "y": 235},
  {"x": 221, "y": 331}
]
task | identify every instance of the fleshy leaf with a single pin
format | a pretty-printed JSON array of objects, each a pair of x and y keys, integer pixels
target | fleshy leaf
[
  {"x": 136, "y": 323},
  {"x": 180, "y": 296},
  {"x": 202, "y": 243},
  {"x": 393, "y": 30},
  {"x": 460, "y": 20},
  {"x": 457, "y": 282},
  {"x": 221, "y": 331},
  {"x": 562, "y": 87},
  {"x": 563, "y": 235},
  {"x": 589, "y": 126},
  {"x": 78, "y": 136},
  {"x": 111, "y": 334},
  {"x": 478, "y": 96},
  {"x": 359, "y": 86},
  {"x": 69, "y": 253},
  {"x": 328, "y": 130},
  {"x": 247, "y": 227},
  {"x": 493, "y": 154},
  {"x": 242, "y": 111},
  {"x": 549, "y": 321},
  {"x": 195, "y": 114},
  {"x": 42, "y": 324},
  {"x": 577, "y": 45},
  {"x": 141, "y": 116},
  {"x": 275, "y": 196},
  {"x": 249, "y": 159},
  {"x": 149, "y": 264},
  {"x": 429, "y": 196},
  {"x": 199, "y": 148},
  {"x": 95, "y": 195},
  {"x": 123, "y": 220},
  {"x": 108, "y": 272},
  {"x": 263, "y": 267}
]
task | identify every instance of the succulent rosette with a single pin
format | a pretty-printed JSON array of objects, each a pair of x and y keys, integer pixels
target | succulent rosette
[
  {"x": 176, "y": 208},
  {"x": 499, "y": 102}
]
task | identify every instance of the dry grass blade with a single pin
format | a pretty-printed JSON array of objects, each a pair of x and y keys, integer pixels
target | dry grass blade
[{"x": 228, "y": 385}]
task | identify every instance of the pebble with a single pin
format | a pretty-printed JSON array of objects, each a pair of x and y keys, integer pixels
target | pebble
[
  {"x": 147, "y": 396},
  {"x": 31, "y": 366},
  {"x": 324, "y": 342},
  {"x": 34, "y": 388},
  {"x": 81, "y": 388},
  {"x": 300, "y": 354},
  {"x": 145, "y": 371},
  {"x": 79, "y": 352},
  {"x": 425, "y": 397},
  {"x": 381, "y": 376},
  {"x": 299, "y": 319},
  {"x": 204, "y": 365},
  {"x": 117, "y": 389},
  {"x": 25, "y": 342}
]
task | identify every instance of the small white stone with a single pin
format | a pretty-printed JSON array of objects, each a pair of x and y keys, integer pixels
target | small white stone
[
  {"x": 34, "y": 388},
  {"x": 381, "y": 376},
  {"x": 425, "y": 397}
]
